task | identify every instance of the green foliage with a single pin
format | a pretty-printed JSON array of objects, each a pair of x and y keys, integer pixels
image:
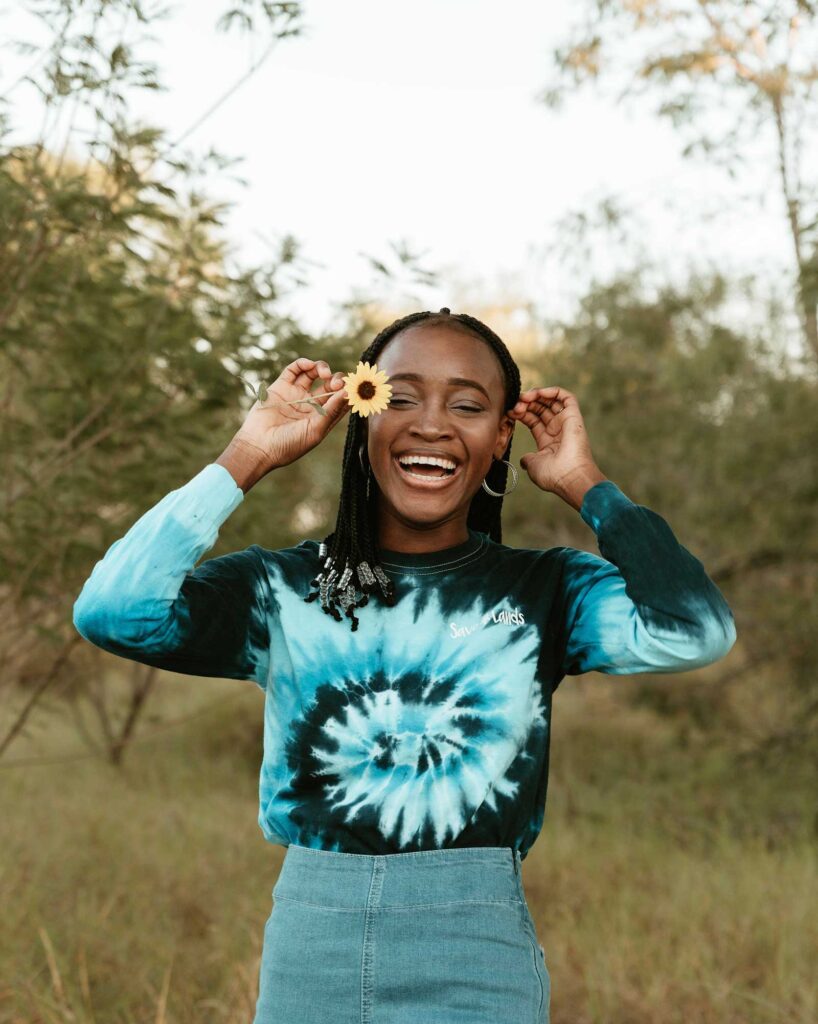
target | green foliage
[
  {"x": 738, "y": 80},
  {"x": 717, "y": 431},
  {"x": 124, "y": 332},
  {"x": 130, "y": 348}
]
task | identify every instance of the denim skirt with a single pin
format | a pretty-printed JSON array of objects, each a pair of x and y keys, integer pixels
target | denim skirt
[{"x": 431, "y": 937}]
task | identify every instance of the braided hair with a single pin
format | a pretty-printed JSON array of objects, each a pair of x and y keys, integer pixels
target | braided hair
[{"x": 353, "y": 543}]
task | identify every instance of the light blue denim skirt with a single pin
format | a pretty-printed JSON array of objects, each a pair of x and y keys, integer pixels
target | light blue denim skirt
[{"x": 432, "y": 937}]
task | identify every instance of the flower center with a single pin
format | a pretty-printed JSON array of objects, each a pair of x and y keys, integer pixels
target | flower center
[{"x": 366, "y": 389}]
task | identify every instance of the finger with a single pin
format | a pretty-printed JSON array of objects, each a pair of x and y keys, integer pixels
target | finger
[
  {"x": 545, "y": 401},
  {"x": 552, "y": 393},
  {"x": 332, "y": 385},
  {"x": 301, "y": 372},
  {"x": 543, "y": 411},
  {"x": 335, "y": 407},
  {"x": 544, "y": 405},
  {"x": 556, "y": 412},
  {"x": 293, "y": 373},
  {"x": 539, "y": 429},
  {"x": 320, "y": 370},
  {"x": 543, "y": 429}
]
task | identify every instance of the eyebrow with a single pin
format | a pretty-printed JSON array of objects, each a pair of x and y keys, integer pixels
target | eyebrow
[{"x": 463, "y": 381}]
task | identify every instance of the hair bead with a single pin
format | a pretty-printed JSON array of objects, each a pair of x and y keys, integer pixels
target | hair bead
[
  {"x": 383, "y": 579},
  {"x": 345, "y": 576}
]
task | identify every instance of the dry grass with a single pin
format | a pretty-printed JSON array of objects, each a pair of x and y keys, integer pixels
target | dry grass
[{"x": 665, "y": 887}]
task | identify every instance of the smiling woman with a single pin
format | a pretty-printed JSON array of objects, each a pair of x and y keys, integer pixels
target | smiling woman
[
  {"x": 405, "y": 762},
  {"x": 457, "y": 415}
]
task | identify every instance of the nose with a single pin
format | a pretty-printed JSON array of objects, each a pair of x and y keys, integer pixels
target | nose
[{"x": 431, "y": 421}]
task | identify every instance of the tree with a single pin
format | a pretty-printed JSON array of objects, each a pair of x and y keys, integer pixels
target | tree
[
  {"x": 749, "y": 70},
  {"x": 124, "y": 331}
]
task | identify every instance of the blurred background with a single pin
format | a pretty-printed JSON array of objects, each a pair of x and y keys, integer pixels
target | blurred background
[{"x": 193, "y": 195}]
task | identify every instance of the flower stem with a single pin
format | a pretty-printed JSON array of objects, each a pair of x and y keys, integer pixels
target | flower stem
[{"x": 295, "y": 401}]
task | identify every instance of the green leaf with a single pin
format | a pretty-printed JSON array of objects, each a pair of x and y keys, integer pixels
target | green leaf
[
  {"x": 319, "y": 407},
  {"x": 262, "y": 392}
]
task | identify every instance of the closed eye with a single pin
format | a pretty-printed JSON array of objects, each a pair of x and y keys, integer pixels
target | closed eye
[{"x": 465, "y": 408}]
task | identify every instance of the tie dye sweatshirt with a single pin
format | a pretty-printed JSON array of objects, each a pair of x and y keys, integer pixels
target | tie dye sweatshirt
[{"x": 429, "y": 726}]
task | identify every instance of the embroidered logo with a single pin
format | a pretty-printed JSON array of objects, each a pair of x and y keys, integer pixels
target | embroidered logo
[{"x": 503, "y": 616}]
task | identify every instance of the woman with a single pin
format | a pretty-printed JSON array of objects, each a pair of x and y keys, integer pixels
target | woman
[{"x": 406, "y": 747}]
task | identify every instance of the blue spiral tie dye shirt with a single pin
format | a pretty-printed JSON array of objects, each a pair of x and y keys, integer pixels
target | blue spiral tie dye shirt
[{"x": 428, "y": 727}]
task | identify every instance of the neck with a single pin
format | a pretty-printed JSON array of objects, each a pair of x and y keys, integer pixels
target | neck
[{"x": 395, "y": 534}]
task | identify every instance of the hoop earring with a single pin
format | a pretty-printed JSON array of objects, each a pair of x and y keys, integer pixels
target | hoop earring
[{"x": 500, "y": 494}]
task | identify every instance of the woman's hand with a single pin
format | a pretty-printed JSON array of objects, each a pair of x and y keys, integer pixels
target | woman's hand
[
  {"x": 275, "y": 435},
  {"x": 563, "y": 462}
]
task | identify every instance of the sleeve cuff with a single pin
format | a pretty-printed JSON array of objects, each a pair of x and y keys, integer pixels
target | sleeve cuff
[
  {"x": 211, "y": 496},
  {"x": 601, "y": 502}
]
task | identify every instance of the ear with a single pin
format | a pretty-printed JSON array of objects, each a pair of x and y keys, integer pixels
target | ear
[{"x": 504, "y": 432}]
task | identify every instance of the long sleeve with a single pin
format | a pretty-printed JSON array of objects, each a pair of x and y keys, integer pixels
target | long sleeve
[
  {"x": 144, "y": 600},
  {"x": 646, "y": 606}
]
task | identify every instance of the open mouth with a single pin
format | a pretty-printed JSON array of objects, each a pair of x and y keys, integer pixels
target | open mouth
[{"x": 433, "y": 473}]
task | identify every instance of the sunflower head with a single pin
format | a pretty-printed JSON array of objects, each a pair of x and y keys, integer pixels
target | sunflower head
[{"x": 367, "y": 390}]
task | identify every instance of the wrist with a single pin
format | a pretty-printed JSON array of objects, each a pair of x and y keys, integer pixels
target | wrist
[
  {"x": 573, "y": 487},
  {"x": 245, "y": 462}
]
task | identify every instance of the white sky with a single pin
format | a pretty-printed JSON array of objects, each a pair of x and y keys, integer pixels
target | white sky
[{"x": 417, "y": 121}]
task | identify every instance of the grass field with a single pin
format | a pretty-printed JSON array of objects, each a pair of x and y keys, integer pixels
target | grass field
[{"x": 667, "y": 886}]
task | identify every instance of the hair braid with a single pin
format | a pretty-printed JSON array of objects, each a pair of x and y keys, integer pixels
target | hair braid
[{"x": 349, "y": 568}]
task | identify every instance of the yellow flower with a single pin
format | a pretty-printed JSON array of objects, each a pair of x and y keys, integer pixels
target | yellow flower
[{"x": 367, "y": 390}]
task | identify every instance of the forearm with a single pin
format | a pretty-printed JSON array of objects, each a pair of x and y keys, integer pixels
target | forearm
[
  {"x": 573, "y": 488},
  {"x": 245, "y": 463}
]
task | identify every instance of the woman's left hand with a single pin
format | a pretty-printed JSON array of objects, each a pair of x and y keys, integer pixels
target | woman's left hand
[{"x": 563, "y": 459}]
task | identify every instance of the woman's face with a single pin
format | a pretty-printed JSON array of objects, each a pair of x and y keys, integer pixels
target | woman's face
[{"x": 447, "y": 401}]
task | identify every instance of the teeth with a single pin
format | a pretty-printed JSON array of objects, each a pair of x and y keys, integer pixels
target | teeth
[{"x": 426, "y": 460}]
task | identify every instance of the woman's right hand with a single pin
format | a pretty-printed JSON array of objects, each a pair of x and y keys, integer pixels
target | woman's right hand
[{"x": 280, "y": 434}]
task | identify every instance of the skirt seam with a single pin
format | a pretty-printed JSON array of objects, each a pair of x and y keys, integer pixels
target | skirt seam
[
  {"x": 321, "y": 906},
  {"x": 405, "y": 906}
]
